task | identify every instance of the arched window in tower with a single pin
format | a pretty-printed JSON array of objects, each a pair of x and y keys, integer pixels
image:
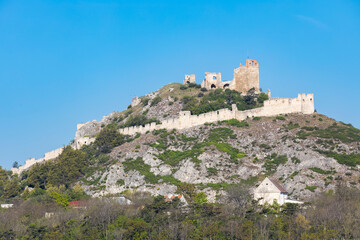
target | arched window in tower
[{"x": 213, "y": 86}]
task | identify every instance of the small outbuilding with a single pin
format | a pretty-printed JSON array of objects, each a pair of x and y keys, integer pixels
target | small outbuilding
[{"x": 270, "y": 191}]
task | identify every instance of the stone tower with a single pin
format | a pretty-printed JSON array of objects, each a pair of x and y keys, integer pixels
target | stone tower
[{"x": 246, "y": 76}]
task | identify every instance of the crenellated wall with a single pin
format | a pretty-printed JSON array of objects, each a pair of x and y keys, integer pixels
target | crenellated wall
[
  {"x": 31, "y": 161},
  {"x": 304, "y": 103}
]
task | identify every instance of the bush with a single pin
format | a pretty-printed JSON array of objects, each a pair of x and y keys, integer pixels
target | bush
[
  {"x": 145, "y": 101},
  {"x": 183, "y": 87},
  {"x": 107, "y": 139},
  {"x": 138, "y": 120},
  {"x": 155, "y": 101},
  {"x": 280, "y": 118},
  {"x": 347, "y": 159},
  {"x": 203, "y": 89},
  {"x": 236, "y": 123}
]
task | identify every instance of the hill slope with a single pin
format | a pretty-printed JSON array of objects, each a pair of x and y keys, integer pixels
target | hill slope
[{"x": 307, "y": 153}]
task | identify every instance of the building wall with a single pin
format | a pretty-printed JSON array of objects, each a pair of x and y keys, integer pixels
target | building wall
[
  {"x": 267, "y": 192},
  {"x": 31, "y": 161},
  {"x": 212, "y": 80},
  {"x": 189, "y": 79},
  {"x": 304, "y": 103},
  {"x": 247, "y": 77}
]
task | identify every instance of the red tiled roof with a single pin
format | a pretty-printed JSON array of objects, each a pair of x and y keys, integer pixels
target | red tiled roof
[{"x": 278, "y": 185}]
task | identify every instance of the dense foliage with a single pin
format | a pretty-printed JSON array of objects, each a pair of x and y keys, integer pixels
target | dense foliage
[
  {"x": 219, "y": 99},
  {"x": 329, "y": 216}
]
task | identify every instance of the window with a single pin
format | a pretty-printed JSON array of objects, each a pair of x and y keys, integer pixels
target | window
[{"x": 214, "y": 77}]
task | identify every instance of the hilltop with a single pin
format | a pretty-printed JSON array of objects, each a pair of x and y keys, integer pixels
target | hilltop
[{"x": 307, "y": 153}]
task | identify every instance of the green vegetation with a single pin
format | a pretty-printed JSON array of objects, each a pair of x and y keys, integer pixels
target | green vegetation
[
  {"x": 280, "y": 117},
  {"x": 347, "y": 159},
  {"x": 291, "y": 126},
  {"x": 108, "y": 138},
  {"x": 311, "y": 188},
  {"x": 69, "y": 167},
  {"x": 321, "y": 171},
  {"x": 218, "y": 99},
  {"x": 174, "y": 157},
  {"x": 138, "y": 120},
  {"x": 212, "y": 171},
  {"x": 344, "y": 133},
  {"x": 221, "y": 134},
  {"x": 155, "y": 101},
  {"x": 273, "y": 161},
  {"x": 236, "y": 123},
  {"x": 144, "y": 169},
  {"x": 120, "y": 182},
  {"x": 331, "y": 215}
]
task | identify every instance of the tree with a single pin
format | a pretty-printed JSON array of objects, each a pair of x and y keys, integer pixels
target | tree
[{"x": 15, "y": 164}]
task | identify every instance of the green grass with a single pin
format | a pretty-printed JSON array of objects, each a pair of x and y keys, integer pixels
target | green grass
[
  {"x": 344, "y": 133},
  {"x": 311, "y": 188},
  {"x": 321, "y": 171},
  {"x": 212, "y": 171},
  {"x": 236, "y": 123},
  {"x": 120, "y": 182},
  {"x": 347, "y": 159},
  {"x": 221, "y": 134},
  {"x": 144, "y": 169},
  {"x": 273, "y": 162},
  {"x": 174, "y": 157}
]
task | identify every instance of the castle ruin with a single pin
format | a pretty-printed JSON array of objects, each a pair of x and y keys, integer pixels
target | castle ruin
[{"x": 246, "y": 77}]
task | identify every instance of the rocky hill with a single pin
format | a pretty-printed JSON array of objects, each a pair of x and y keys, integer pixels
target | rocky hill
[{"x": 306, "y": 153}]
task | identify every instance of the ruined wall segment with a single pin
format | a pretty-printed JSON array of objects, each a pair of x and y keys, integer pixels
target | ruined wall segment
[
  {"x": 189, "y": 79},
  {"x": 304, "y": 103},
  {"x": 246, "y": 76}
]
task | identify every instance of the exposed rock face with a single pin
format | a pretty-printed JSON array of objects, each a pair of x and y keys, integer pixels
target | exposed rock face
[{"x": 263, "y": 138}]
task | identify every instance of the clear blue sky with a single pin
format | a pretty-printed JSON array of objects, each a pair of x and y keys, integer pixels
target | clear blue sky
[{"x": 67, "y": 62}]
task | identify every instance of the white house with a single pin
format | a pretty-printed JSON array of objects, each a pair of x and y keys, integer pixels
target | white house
[
  {"x": 269, "y": 191},
  {"x": 6, "y": 205}
]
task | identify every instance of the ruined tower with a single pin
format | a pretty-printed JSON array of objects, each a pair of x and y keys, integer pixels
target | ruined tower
[{"x": 246, "y": 76}]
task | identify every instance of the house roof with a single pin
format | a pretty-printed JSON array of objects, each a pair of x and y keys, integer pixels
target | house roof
[{"x": 278, "y": 186}]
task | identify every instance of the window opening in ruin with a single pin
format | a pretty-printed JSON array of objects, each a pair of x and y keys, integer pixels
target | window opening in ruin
[
  {"x": 214, "y": 77},
  {"x": 310, "y": 99},
  {"x": 226, "y": 85},
  {"x": 213, "y": 86},
  {"x": 187, "y": 82}
]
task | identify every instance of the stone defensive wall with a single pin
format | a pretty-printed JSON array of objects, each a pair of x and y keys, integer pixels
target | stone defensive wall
[
  {"x": 304, "y": 103},
  {"x": 31, "y": 161}
]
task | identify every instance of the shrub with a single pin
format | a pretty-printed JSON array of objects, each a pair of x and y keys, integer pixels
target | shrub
[
  {"x": 120, "y": 182},
  {"x": 138, "y": 120},
  {"x": 145, "y": 101},
  {"x": 311, "y": 188},
  {"x": 280, "y": 118},
  {"x": 319, "y": 170},
  {"x": 107, "y": 139},
  {"x": 212, "y": 171},
  {"x": 144, "y": 169},
  {"x": 256, "y": 118},
  {"x": 346, "y": 159},
  {"x": 183, "y": 87},
  {"x": 203, "y": 89},
  {"x": 155, "y": 101},
  {"x": 236, "y": 123}
]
